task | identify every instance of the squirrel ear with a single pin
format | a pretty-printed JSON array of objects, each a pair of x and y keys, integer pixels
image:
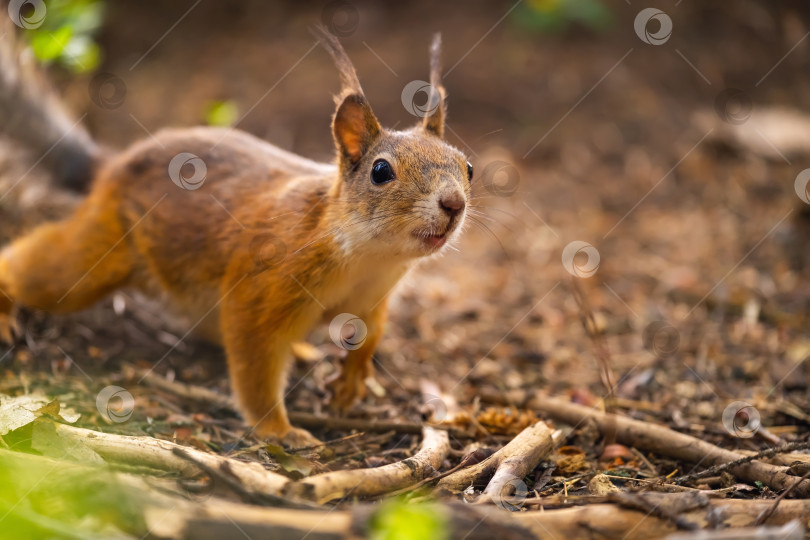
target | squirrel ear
[
  {"x": 355, "y": 128},
  {"x": 434, "y": 120}
]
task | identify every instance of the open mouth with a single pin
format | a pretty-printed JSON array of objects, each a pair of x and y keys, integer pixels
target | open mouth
[{"x": 431, "y": 241}]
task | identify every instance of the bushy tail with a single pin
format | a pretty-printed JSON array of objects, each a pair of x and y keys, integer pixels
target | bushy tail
[{"x": 31, "y": 114}]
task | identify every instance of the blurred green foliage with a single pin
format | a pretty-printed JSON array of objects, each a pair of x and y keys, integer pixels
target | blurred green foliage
[
  {"x": 221, "y": 113},
  {"x": 398, "y": 519},
  {"x": 66, "y": 34},
  {"x": 45, "y": 499},
  {"x": 558, "y": 15}
]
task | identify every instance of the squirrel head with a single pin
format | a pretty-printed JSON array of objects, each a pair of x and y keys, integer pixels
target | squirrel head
[{"x": 401, "y": 192}]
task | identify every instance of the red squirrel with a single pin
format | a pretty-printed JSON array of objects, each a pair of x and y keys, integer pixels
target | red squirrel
[{"x": 301, "y": 242}]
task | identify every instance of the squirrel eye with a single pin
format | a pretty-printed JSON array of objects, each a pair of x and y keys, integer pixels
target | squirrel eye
[
  {"x": 469, "y": 171},
  {"x": 381, "y": 172}
]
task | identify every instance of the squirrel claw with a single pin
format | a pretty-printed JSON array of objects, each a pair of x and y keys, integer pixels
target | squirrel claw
[
  {"x": 299, "y": 438},
  {"x": 346, "y": 390}
]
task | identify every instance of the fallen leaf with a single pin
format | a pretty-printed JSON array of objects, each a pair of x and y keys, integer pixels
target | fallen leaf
[
  {"x": 16, "y": 412},
  {"x": 290, "y": 462}
]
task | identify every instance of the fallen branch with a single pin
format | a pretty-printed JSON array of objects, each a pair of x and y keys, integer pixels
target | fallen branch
[
  {"x": 305, "y": 420},
  {"x": 160, "y": 455},
  {"x": 222, "y": 519},
  {"x": 769, "y": 512},
  {"x": 660, "y": 439},
  {"x": 513, "y": 461},
  {"x": 329, "y": 486},
  {"x": 715, "y": 470}
]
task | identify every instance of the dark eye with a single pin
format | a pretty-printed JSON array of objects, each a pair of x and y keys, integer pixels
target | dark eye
[
  {"x": 381, "y": 172},
  {"x": 469, "y": 171}
]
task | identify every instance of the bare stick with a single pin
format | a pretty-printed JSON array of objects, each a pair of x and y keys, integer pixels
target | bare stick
[
  {"x": 670, "y": 443},
  {"x": 376, "y": 481},
  {"x": 515, "y": 460},
  {"x": 160, "y": 455},
  {"x": 769, "y": 512}
]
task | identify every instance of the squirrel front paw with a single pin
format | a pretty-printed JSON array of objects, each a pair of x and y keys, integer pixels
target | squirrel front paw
[
  {"x": 299, "y": 438},
  {"x": 347, "y": 387},
  {"x": 281, "y": 432}
]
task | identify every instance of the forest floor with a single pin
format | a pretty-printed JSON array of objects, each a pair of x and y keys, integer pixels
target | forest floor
[{"x": 643, "y": 252}]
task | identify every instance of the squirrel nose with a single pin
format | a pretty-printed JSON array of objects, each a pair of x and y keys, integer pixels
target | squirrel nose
[{"x": 452, "y": 203}]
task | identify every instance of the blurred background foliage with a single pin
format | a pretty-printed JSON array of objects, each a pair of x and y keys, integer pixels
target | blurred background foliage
[
  {"x": 558, "y": 15},
  {"x": 66, "y": 36}
]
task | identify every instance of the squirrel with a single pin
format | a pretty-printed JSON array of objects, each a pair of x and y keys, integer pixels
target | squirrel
[{"x": 256, "y": 244}]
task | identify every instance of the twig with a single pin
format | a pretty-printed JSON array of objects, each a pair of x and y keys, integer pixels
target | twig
[
  {"x": 769, "y": 512},
  {"x": 714, "y": 470},
  {"x": 514, "y": 460},
  {"x": 671, "y": 443},
  {"x": 226, "y": 476},
  {"x": 329, "y": 486}
]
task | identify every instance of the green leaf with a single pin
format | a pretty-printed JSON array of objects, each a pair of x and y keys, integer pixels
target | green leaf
[{"x": 399, "y": 520}]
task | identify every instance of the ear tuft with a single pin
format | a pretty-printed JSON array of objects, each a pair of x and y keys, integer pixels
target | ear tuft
[
  {"x": 355, "y": 129},
  {"x": 434, "y": 122}
]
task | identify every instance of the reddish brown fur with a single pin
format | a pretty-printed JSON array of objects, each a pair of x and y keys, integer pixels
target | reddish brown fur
[{"x": 300, "y": 242}]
